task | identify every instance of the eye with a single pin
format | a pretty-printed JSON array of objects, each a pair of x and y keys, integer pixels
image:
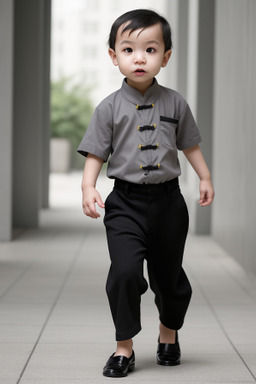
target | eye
[
  {"x": 128, "y": 50},
  {"x": 150, "y": 50}
]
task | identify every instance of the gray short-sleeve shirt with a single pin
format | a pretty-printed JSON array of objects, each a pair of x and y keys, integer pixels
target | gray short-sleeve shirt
[{"x": 139, "y": 134}]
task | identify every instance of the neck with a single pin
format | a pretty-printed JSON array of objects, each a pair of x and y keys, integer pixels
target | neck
[{"x": 141, "y": 87}]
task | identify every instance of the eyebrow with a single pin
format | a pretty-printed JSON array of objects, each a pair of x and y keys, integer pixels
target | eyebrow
[
  {"x": 152, "y": 42},
  {"x": 147, "y": 42}
]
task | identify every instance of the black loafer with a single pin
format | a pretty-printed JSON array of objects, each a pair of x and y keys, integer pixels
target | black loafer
[
  {"x": 168, "y": 354},
  {"x": 119, "y": 366}
]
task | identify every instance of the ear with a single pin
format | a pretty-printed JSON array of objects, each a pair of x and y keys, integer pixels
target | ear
[
  {"x": 166, "y": 57},
  {"x": 112, "y": 55}
]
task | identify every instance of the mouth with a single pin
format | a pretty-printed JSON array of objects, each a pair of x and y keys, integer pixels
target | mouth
[{"x": 139, "y": 72}]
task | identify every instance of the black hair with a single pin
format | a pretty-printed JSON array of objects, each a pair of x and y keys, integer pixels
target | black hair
[{"x": 141, "y": 18}]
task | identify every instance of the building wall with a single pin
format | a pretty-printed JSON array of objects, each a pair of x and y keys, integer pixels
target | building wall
[{"x": 234, "y": 210}]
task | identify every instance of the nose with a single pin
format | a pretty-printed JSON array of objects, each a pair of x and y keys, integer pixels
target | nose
[{"x": 139, "y": 58}]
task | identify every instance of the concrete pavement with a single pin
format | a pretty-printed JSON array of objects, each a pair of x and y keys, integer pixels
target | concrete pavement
[{"x": 55, "y": 323}]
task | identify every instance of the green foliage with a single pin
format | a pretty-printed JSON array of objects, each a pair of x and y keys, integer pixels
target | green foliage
[{"x": 71, "y": 110}]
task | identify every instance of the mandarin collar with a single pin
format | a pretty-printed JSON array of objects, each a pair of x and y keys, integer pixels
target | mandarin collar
[{"x": 135, "y": 97}]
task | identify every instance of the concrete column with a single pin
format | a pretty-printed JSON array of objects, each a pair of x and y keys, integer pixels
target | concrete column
[
  {"x": 30, "y": 129},
  {"x": 204, "y": 108},
  {"x": 182, "y": 47},
  {"x": 45, "y": 116},
  {"x": 190, "y": 182},
  {"x": 205, "y": 76},
  {"x": 170, "y": 73},
  {"x": 6, "y": 67},
  {"x": 199, "y": 90}
]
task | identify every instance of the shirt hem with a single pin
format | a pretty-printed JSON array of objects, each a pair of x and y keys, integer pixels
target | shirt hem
[
  {"x": 191, "y": 144},
  {"x": 87, "y": 150}
]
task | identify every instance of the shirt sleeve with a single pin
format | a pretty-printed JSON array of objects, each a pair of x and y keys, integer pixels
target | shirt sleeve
[
  {"x": 188, "y": 134},
  {"x": 97, "y": 140}
]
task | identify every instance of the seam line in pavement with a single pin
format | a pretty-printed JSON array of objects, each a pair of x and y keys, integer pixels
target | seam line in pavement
[
  {"x": 16, "y": 281},
  {"x": 220, "y": 323},
  {"x": 66, "y": 277}
]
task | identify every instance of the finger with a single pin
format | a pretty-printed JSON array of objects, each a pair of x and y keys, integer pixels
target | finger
[
  {"x": 202, "y": 197},
  {"x": 92, "y": 209},
  {"x": 205, "y": 204},
  {"x": 100, "y": 202},
  {"x": 208, "y": 199},
  {"x": 87, "y": 212}
]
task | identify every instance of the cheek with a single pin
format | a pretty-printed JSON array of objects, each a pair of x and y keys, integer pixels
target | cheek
[
  {"x": 123, "y": 67},
  {"x": 156, "y": 63},
  {"x": 124, "y": 64}
]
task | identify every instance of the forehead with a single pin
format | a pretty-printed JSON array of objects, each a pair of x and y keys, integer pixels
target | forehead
[{"x": 154, "y": 32}]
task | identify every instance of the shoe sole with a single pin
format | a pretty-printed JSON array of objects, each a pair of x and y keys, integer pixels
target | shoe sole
[
  {"x": 168, "y": 364},
  {"x": 130, "y": 369}
]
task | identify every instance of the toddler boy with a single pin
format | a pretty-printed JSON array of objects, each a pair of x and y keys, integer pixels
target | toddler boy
[{"x": 140, "y": 127}]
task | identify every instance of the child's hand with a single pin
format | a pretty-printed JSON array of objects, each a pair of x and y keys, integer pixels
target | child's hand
[
  {"x": 90, "y": 197},
  {"x": 206, "y": 193}
]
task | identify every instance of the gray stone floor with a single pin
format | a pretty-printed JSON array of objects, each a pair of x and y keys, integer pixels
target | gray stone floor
[{"x": 55, "y": 324}]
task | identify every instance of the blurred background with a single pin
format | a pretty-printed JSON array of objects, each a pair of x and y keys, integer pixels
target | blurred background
[
  {"x": 55, "y": 323},
  {"x": 54, "y": 69}
]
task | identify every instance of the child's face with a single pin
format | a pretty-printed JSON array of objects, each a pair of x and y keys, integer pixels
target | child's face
[{"x": 140, "y": 55}]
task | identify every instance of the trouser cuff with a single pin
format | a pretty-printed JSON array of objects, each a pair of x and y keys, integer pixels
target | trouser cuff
[{"x": 120, "y": 336}]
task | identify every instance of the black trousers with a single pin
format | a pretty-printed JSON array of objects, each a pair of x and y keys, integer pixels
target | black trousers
[{"x": 146, "y": 221}]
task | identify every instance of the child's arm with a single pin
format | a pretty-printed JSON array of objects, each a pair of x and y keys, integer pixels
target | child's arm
[
  {"x": 196, "y": 159},
  {"x": 92, "y": 169}
]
